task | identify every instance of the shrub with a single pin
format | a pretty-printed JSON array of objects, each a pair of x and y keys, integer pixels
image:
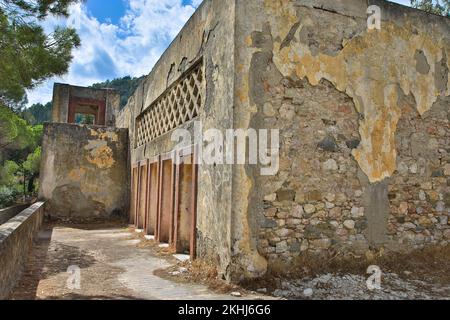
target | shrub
[{"x": 8, "y": 196}]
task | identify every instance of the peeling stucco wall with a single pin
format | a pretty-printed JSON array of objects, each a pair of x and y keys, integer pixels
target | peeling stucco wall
[
  {"x": 371, "y": 68},
  {"x": 207, "y": 37},
  {"x": 84, "y": 171},
  {"x": 335, "y": 90},
  {"x": 363, "y": 118}
]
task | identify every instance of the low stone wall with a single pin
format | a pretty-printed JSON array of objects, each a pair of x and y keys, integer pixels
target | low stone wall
[
  {"x": 11, "y": 212},
  {"x": 16, "y": 238}
]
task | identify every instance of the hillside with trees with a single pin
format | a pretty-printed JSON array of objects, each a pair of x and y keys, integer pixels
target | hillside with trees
[
  {"x": 38, "y": 113},
  {"x": 126, "y": 87}
]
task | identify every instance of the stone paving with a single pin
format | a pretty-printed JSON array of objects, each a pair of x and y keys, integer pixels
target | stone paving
[{"x": 111, "y": 264}]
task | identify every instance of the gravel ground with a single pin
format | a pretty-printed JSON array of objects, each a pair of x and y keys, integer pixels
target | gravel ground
[
  {"x": 117, "y": 264},
  {"x": 354, "y": 287}
]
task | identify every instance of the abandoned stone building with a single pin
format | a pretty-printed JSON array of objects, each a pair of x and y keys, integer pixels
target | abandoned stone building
[{"x": 364, "y": 130}]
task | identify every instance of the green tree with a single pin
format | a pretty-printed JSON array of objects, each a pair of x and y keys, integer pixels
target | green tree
[
  {"x": 8, "y": 196},
  {"x": 38, "y": 113},
  {"x": 126, "y": 87},
  {"x": 19, "y": 156},
  {"x": 8, "y": 173},
  {"x": 15, "y": 133},
  {"x": 30, "y": 169},
  {"x": 440, "y": 7},
  {"x": 29, "y": 55},
  {"x": 9, "y": 190}
]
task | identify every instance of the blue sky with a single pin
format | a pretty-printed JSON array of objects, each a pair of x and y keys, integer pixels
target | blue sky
[
  {"x": 119, "y": 38},
  {"x": 110, "y": 13}
]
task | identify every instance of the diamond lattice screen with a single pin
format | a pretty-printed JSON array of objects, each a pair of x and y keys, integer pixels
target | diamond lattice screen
[{"x": 180, "y": 103}]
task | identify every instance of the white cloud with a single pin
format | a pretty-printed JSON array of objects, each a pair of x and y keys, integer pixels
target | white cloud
[
  {"x": 403, "y": 2},
  {"x": 130, "y": 48},
  {"x": 108, "y": 51}
]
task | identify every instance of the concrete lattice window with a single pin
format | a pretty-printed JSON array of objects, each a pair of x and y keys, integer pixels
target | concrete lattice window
[{"x": 179, "y": 104}]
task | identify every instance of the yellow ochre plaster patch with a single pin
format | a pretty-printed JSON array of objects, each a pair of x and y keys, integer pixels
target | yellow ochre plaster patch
[
  {"x": 100, "y": 154},
  {"x": 370, "y": 69}
]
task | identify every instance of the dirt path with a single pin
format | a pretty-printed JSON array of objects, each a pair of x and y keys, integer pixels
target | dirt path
[
  {"x": 114, "y": 263},
  {"x": 111, "y": 267}
]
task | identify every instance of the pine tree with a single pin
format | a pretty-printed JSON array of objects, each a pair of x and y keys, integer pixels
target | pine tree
[
  {"x": 29, "y": 55},
  {"x": 440, "y": 7}
]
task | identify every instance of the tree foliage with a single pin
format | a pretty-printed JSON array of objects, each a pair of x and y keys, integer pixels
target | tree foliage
[
  {"x": 32, "y": 164},
  {"x": 126, "y": 87},
  {"x": 440, "y": 7},
  {"x": 14, "y": 131},
  {"x": 17, "y": 137},
  {"x": 38, "y": 113},
  {"x": 29, "y": 55},
  {"x": 8, "y": 172},
  {"x": 19, "y": 155}
]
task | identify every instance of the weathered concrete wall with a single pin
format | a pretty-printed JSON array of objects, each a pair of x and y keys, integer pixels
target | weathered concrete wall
[
  {"x": 206, "y": 38},
  {"x": 62, "y": 93},
  {"x": 11, "y": 212},
  {"x": 364, "y": 120},
  {"x": 84, "y": 172},
  {"x": 16, "y": 239}
]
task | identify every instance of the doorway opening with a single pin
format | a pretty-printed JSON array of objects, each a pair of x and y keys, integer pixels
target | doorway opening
[
  {"x": 86, "y": 111},
  {"x": 164, "y": 199},
  {"x": 186, "y": 203},
  {"x": 142, "y": 199},
  {"x": 153, "y": 198},
  {"x": 134, "y": 194},
  {"x": 82, "y": 118},
  {"x": 165, "y": 233}
]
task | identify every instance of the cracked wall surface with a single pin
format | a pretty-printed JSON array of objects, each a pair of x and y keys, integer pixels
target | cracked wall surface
[
  {"x": 355, "y": 109},
  {"x": 308, "y": 68},
  {"x": 84, "y": 171},
  {"x": 207, "y": 38},
  {"x": 371, "y": 67}
]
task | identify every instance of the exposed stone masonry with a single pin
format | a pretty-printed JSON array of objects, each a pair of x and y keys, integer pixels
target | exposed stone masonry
[
  {"x": 315, "y": 201},
  {"x": 420, "y": 190}
]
